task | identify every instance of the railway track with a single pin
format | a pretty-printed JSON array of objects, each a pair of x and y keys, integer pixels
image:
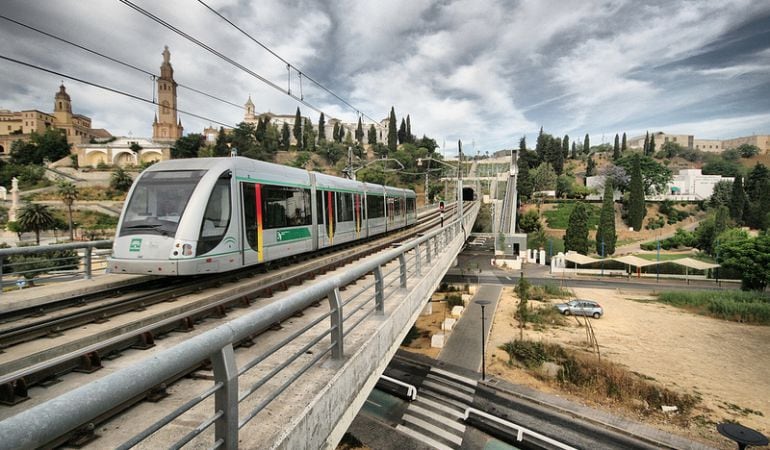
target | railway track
[{"x": 178, "y": 308}]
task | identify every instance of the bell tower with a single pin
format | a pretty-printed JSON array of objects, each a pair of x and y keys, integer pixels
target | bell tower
[
  {"x": 62, "y": 107},
  {"x": 166, "y": 126}
]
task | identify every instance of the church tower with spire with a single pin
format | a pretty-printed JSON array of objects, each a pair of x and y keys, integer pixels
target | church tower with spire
[{"x": 166, "y": 126}]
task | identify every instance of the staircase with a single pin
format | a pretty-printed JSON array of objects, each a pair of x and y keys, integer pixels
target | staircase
[{"x": 435, "y": 418}]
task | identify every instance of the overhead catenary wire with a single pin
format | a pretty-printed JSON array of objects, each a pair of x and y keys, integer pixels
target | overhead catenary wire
[
  {"x": 107, "y": 88},
  {"x": 288, "y": 64},
  {"x": 217, "y": 53},
  {"x": 115, "y": 60}
]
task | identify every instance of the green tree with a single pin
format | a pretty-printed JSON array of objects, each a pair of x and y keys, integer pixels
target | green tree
[
  {"x": 670, "y": 149},
  {"x": 543, "y": 178},
  {"x": 757, "y": 191},
  {"x": 586, "y": 145},
  {"x": 576, "y": 236},
  {"x": 750, "y": 257},
  {"x": 722, "y": 194},
  {"x": 541, "y": 147},
  {"x": 737, "y": 200},
  {"x": 336, "y": 132},
  {"x": 616, "y": 148},
  {"x": 51, "y": 145},
  {"x": 590, "y": 167},
  {"x": 68, "y": 193},
  {"x": 35, "y": 217},
  {"x": 392, "y": 131},
  {"x": 322, "y": 128},
  {"x": 655, "y": 176},
  {"x": 605, "y": 234},
  {"x": 220, "y": 145},
  {"x": 285, "y": 136},
  {"x": 721, "y": 166},
  {"x": 297, "y": 131},
  {"x": 120, "y": 180},
  {"x": 530, "y": 221},
  {"x": 360, "y": 132},
  {"x": 623, "y": 144},
  {"x": 371, "y": 137},
  {"x": 651, "y": 148},
  {"x": 574, "y": 150},
  {"x": 243, "y": 140},
  {"x": 565, "y": 146},
  {"x": 187, "y": 146},
  {"x": 556, "y": 155},
  {"x": 646, "y": 149},
  {"x": 402, "y": 132},
  {"x": 409, "y": 136},
  {"x": 748, "y": 150},
  {"x": 636, "y": 206}
]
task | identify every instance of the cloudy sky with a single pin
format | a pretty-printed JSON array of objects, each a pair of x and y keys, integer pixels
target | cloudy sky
[{"x": 484, "y": 71}]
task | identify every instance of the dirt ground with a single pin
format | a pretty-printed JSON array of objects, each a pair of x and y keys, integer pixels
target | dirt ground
[{"x": 727, "y": 364}]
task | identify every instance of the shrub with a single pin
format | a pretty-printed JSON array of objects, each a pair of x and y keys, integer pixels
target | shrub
[{"x": 454, "y": 300}]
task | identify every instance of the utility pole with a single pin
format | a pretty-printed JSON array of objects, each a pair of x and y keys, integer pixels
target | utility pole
[{"x": 460, "y": 178}]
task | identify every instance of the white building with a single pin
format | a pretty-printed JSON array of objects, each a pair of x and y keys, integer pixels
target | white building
[
  {"x": 687, "y": 185},
  {"x": 124, "y": 151}
]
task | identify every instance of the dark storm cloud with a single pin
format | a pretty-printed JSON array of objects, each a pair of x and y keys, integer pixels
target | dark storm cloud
[{"x": 482, "y": 71}]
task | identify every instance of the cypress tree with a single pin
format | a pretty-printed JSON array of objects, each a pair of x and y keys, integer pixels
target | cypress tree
[
  {"x": 651, "y": 149},
  {"x": 541, "y": 147},
  {"x": 341, "y": 133},
  {"x": 556, "y": 155},
  {"x": 372, "y": 135},
  {"x": 321, "y": 128},
  {"x": 646, "y": 143},
  {"x": 402, "y": 132},
  {"x": 574, "y": 150},
  {"x": 335, "y": 132},
  {"x": 623, "y": 144},
  {"x": 409, "y": 137},
  {"x": 605, "y": 234},
  {"x": 220, "y": 147},
  {"x": 616, "y": 148},
  {"x": 565, "y": 146},
  {"x": 298, "y": 127},
  {"x": 636, "y": 206},
  {"x": 737, "y": 200},
  {"x": 360, "y": 132},
  {"x": 392, "y": 131},
  {"x": 522, "y": 145},
  {"x": 590, "y": 167},
  {"x": 586, "y": 145},
  {"x": 285, "y": 136},
  {"x": 576, "y": 236}
]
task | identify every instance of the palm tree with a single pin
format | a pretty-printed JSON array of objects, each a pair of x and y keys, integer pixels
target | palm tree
[
  {"x": 121, "y": 180},
  {"x": 36, "y": 217},
  {"x": 68, "y": 193}
]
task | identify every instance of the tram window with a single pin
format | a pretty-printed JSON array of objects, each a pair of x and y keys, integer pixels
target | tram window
[
  {"x": 319, "y": 206},
  {"x": 410, "y": 205},
  {"x": 216, "y": 217},
  {"x": 285, "y": 207},
  {"x": 375, "y": 206},
  {"x": 344, "y": 207}
]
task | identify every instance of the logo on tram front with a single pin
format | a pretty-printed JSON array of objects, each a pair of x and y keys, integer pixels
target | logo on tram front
[{"x": 136, "y": 245}]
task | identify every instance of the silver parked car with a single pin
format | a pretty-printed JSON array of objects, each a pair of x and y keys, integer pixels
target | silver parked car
[{"x": 581, "y": 307}]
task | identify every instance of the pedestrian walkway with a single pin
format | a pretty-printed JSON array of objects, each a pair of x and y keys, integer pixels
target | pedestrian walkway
[
  {"x": 463, "y": 349},
  {"x": 435, "y": 418}
]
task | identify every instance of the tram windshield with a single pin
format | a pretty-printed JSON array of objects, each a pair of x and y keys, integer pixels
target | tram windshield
[{"x": 158, "y": 202}]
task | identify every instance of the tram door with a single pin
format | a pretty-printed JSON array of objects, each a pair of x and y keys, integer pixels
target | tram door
[{"x": 251, "y": 194}]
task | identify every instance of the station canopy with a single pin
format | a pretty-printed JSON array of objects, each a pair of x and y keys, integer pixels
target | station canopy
[{"x": 635, "y": 261}]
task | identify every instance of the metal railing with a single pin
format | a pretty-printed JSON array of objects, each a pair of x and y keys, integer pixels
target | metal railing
[
  {"x": 23, "y": 265},
  {"x": 520, "y": 430},
  {"x": 391, "y": 272}
]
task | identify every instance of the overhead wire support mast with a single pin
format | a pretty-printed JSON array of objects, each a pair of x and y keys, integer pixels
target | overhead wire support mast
[
  {"x": 329, "y": 91},
  {"x": 115, "y": 60},
  {"x": 215, "y": 52},
  {"x": 113, "y": 90}
]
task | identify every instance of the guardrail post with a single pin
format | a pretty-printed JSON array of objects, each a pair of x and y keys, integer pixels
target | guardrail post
[
  {"x": 379, "y": 292},
  {"x": 402, "y": 264},
  {"x": 226, "y": 398},
  {"x": 418, "y": 263},
  {"x": 1, "y": 274},
  {"x": 428, "y": 257},
  {"x": 88, "y": 262},
  {"x": 335, "y": 308}
]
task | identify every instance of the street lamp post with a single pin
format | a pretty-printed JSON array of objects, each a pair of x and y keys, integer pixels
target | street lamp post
[{"x": 483, "y": 304}]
